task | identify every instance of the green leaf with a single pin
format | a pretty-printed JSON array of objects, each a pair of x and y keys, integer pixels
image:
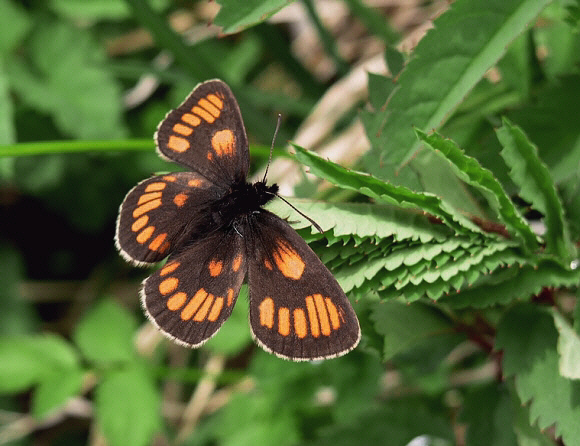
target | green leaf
[
  {"x": 404, "y": 326},
  {"x": 106, "y": 333},
  {"x": 234, "y": 15},
  {"x": 529, "y": 339},
  {"x": 521, "y": 283},
  {"x": 465, "y": 42},
  {"x": 78, "y": 92},
  {"x": 7, "y": 130},
  {"x": 568, "y": 347},
  {"x": 383, "y": 191},
  {"x": 470, "y": 171},
  {"x": 488, "y": 413},
  {"x": 53, "y": 392},
  {"x": 14, "y": 24},
  {"x": 94, "y": 10},
  {"x": 127, "y": 406},
  {"x": 29, "y": 360},
  {"x": 536, "y": 186}
]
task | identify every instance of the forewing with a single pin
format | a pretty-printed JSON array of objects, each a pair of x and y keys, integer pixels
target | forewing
[
  {"x": 159, "y": 213},
  {"x": 206, "y": 133},
  {"x": 194, "y": 293},
  {"x": 297, "y": 309}
]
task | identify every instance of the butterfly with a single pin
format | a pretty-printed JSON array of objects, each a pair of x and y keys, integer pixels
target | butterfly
[{"x": 211, "y": 225}]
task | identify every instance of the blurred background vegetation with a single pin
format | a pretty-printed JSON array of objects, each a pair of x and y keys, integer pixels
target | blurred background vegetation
[{"x": 83, "y": 86}]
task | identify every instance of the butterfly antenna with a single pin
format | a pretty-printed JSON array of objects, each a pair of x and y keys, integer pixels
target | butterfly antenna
[
  {"x": 272, "y": 146},
  {"x": 316, "y": 225}
]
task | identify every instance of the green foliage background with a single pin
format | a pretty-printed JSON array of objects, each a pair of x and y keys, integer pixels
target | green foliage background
[{"x": 451, "y": 219}]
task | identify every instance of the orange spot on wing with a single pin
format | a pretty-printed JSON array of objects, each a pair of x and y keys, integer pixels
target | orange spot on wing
[
  {"x": 230, "y": 296},
  {"x": 164, "y": 247},
  {"x": 193, "y": 304},
  {"x": 191, "y": 119},
  {"x": 182, "y": 129},
  {"x": 170, "y": 178},
  {"x": 157, "y": 242},
  {"x": 288, "y": 261},
  {"x": 145, "y": 234},
  {"x": 209, "y": 156},
  {"x": 237, "y": 263},
  {"x": 322, "y": 314},
  {"x": 312, "y": 317},
  {"x": 169, "y": 268},
  {"x": 284, "y": 321},
  {"x": 177, "y": 143},
  {"x": 169, "y": 285},
  {"x": 223, "y": 142},
  {"x": 300, "y": 325},
  {"x": 267, "y": 264},
  {"x": 203, "y": 114},
  {"x": 332, "y": 313},
  {"x": 139, "y": 223},
  {"x": 195, "y": 182},
  {"x": 202, "y": 312},
  {"x": 216, "y": 309},
  {"x": 267, "y": 312},
  {"x": 215, "y": 267},
  {"x": 176, "y": 301},
  {"x": 148, "y": 197},
  {"x": 207, "y": 105},
  {"x": 155, "y": 187},
  {"x": 215, "y": 100},
  {"x": 144, "y": 208},
  {"x": 180, "y": 199}
]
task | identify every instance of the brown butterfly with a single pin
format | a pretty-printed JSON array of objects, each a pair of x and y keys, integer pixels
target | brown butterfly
[{"x": 211, "y": 224}]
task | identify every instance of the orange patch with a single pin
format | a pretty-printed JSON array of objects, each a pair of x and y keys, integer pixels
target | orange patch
[
  {"x": 182, "y": 129},
  {"x": 202, "y": 312},
  {"x": 176, "y": 301},
  {"x": 177, "y": 143},
  {"x": 193, "y": 304},
  {"x": 322, "y": 314},
  {"x": 155, "y": 187},
  {"x": 267, "y": 312},
  {"x": 144, "y": 208},
  {"x": 215, "y": 101},
  {"x": 300, "y": 326},
  {"x": 230, "y": 296},
  {"x": 215, "y": 267},
  {"x": 209, "y": 156},
  {"x": 139, "y": 223},
  {"x": 164, "y": 247},
  {"x": 216, "y": 309},
  {"x": 180, "y": 199},
  {"x": 145, "y": 234},
  {"x": 332, "y": 313},
  {"x": 203, "y": 114},
  {"x": 170, "y": 178},
  {"x": 169, "y": 268},
  {"x": 288, "y": 261},
  {"x": 148, "y": 197},
  {"x": 311, "y": 309},
  {"x": 223, "y": 142},
  {"x": 212, "y": 109},
  {"x": 237, "y": 263},
  {"x": 157, "y": 242},
  {"x": 191, "y": 119},
  {"x": 169, "y": 285},
  {"x": 267, "y": 264},
  {"x": 284, "y": 321},
  {"x": 195, "y": 183}
]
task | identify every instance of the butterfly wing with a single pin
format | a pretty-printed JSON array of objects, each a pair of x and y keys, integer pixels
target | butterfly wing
[
  {"x": 206, "y": 133},
  {"x": 192, "y": 295},
  {"x": 297, "y": 309},
  {"x": 148, "y": 227}
]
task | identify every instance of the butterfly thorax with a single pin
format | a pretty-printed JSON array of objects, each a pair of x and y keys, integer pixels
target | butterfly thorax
[{"x": 241, "y": 200}]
